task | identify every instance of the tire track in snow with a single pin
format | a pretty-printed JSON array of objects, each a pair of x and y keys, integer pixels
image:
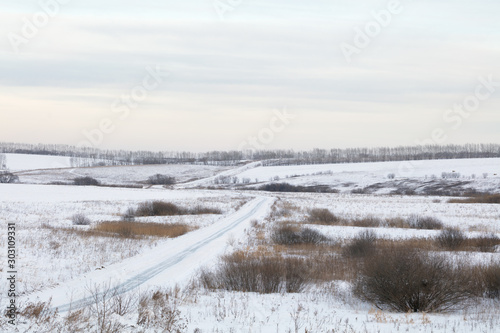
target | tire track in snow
[{"x": 141, "y": 278}]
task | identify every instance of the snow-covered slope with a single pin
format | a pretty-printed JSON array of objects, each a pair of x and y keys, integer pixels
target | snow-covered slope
[
  {"x": 410, "y": 169},
  {"x": 174, "y": 261},
  {"x": 386, "y": 177},
  {"x": 20, "y": 162}
]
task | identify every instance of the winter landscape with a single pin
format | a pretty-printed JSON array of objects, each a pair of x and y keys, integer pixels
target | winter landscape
[
  {"x": 291, "y": 249},
  {"x": 227, "y": 166}
]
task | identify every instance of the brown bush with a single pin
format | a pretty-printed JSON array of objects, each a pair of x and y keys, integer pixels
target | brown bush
[
  {"x": 451, "y": 239},
  {"x": 163, "y": 208},
  {"x": 491, "y": 280},
  {"x": 289, "y": 235},
  {"x": 405, "y": 280},
  {"x": 362, "y": 245},
  {"x": 253, "y": 273},
  {"x": 322, "y": 216},
  {"x": 158, "y": 208},
  {"x": 424, "y": 222}
]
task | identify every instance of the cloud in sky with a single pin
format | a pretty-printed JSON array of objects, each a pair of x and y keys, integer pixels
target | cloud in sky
[{"x": 227, "y": 76}]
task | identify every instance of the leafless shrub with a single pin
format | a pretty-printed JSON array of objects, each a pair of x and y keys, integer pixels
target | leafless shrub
[
  {"x": 286, "y": 235},
  {"x": 159, "y": 310},
  {"x": 424, "y": 222},
  {"x": 289, "y": 235},
  {"x": 102, "y": 308},
  {"x": 86, "y": 181},
  {"x": 362, "y": 245},
  {"x": 391, "y": 176},
  {"x": 124, "y": 304},
  {"x": 159, "y": 179},
  {"x": 163, "y": 208},
  {"x": 77, "y": 321},
  {"x": 322, "y": 216},
  {"x": 405, "y": 280},
  {"x": 414, "y": 221},
  {"x": 491, "y": 280},
  {"x": 129, "y": 215},
  {"x": 80, "y": 219},
  {"x": 451, "y": 175},
  {"x": 158, "y": 208},
  {"x": 8, "y": 177},
  {"x": 263, "y": 274},
  {"x": 450, "y": 239}
]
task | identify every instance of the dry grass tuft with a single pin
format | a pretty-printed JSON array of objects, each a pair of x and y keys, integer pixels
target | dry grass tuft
[
  {"x": 126, "y": 229},
  {"x": 322, "y": 216},
  {"x": 485, "y": 198}
]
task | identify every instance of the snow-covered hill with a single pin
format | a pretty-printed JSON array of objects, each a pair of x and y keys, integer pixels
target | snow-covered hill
[{"x": 21, "y": 162}]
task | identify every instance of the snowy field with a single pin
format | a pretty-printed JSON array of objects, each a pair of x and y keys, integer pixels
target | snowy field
[
  {"x": 56, "y": 260},
  {"x": 377, "y": 178},
  {"x": 21, "y": 162},
  {"x": 41, "y": 169}
]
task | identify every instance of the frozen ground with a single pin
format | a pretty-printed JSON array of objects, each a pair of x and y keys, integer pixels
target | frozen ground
[
  {"x": 120, "y": 175},
  {"x": 20, "y": 162},
  {"x": 49, "y": 255},
  {"x": 60, "y": 264},
  {"x": 422, "y": 177}
]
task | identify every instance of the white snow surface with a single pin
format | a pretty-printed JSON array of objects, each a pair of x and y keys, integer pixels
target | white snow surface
[
  {"x": 21, "y": 162},
  {"x": 418, "y": 169},
  {"x": 170, "y": 263},
  {"x": 165, "y": 263}
]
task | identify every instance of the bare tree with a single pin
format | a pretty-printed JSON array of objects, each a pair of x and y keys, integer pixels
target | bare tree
[{"x": 3, "y": 162}]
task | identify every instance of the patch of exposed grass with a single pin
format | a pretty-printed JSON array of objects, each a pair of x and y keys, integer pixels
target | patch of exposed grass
[
  {"x": 484, "y": 198},
  {"x": 137, "y": 229},
  {"x": 126, "y": 229}
]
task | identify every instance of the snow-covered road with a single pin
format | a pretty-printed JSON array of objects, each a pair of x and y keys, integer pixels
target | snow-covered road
[{"x": 172, "y": 262}]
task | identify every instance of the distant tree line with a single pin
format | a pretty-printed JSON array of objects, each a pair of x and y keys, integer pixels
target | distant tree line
[{"x": 95, "y": 157}]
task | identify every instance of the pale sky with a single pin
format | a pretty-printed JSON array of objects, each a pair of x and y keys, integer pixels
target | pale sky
[{"x": 344, "y": 73}]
